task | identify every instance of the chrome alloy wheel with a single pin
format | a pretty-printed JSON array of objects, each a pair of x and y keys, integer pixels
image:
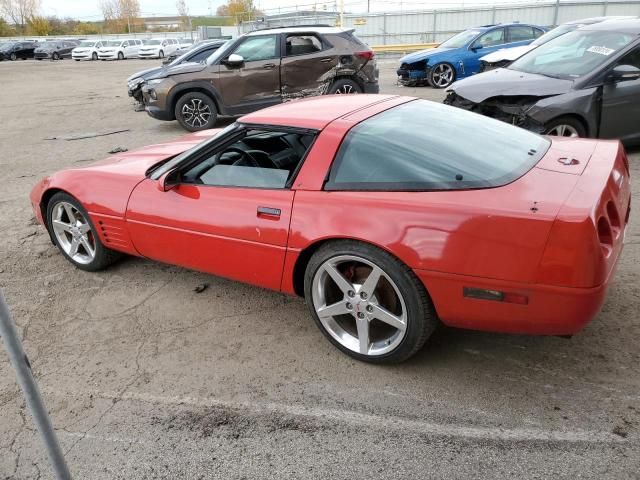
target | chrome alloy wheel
[
  {"x": 73, "y": 233},
  {"x": 563, "y": 131},
  {"x": 442, "y": 75},
  {"x": 359, "y": 305},
  {"x": 346, "y": 90},
  {"x": 196, "y": 113}
]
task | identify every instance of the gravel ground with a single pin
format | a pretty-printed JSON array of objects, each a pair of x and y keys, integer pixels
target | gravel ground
[{"x": 147, "y": 379}]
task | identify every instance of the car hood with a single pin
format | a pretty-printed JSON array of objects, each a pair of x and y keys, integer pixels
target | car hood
[
  {"x": 509, "y": 54},
  {"x": 424, "y": 54},
  {"x": 187, "y": 67},
  {"x": 146, "y": 73},
  {"x": 507, "y": 82}
]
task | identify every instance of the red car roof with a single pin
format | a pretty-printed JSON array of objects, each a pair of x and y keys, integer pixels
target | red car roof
[{"x": 314, "y": 112}]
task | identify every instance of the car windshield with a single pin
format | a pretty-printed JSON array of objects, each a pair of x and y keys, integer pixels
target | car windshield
[
  {"x": 556, "y": 32},
  {"x": 87, "y": 44},
  {"x": 113, "y": 43},
  {"x": 461, "y": 39},
  {"x": 466, "y": 151},
  {"x": 574, "y": 54},
  {"x": 151, "y": 42}
]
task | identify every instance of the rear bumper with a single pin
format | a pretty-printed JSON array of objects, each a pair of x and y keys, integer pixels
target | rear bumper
[{"x": 550, "y": 310}]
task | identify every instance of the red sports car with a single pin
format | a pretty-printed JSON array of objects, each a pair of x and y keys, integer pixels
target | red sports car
[{"x": 387, "y": 213}]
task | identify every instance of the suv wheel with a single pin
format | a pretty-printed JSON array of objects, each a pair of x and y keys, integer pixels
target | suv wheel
[
  {"x": 344, "y": 86},
  {"x": 13, "y": 57},
  {"x": 55, "y": 56},
  {"x": 120, "y": 56},
  {"x": 161, "y": 54},
  {"x": 196, "y": 111},
  {"x": 94, "y": 56}
]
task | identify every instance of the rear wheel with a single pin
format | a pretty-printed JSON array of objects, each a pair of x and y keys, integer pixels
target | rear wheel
[
  {"x": 344, "y": 86},
  {"x": 441, "y": 75},
  {"x": 75, "y": 236},
  {"x": 196, "y": 111},
  {"x": 565, "y": 127},
  {"x": 368, "y": 303}
]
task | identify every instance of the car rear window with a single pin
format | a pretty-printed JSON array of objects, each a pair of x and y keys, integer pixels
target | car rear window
[{"x": 422, "y": 145}]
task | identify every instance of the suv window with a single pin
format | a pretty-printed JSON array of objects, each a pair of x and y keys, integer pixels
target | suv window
[
  {"x": 520, "y": 33},
  {"x": 302, "y": 45},
  {"x": 260, "y": 159},
  {"x": 258, "y": 48},
  {"x": 490, "y": 39},
  {"x": 632, "y": 58},
  {"x": 381, "y": 153}
]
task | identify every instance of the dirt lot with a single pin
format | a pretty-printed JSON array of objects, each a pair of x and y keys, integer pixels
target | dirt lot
[{"x": 146, "y": 378}]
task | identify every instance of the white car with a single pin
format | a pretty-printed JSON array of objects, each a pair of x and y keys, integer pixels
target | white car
[
  {"x": 158, "y": 47},
  {"x": 119, "y": 49},
  {"x": 87, "y": 50},
  {"x": 185, "y": 44}
]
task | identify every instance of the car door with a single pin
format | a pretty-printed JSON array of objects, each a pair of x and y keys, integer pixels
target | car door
[
  {"x": 483, "y": 45},
  {"x": 22, "y": 50},
  {"x": 67, "y": 47},
  {"x": 620, "y": 116},
  {"x": 255, "y": 83},
  {"x": 227, "y": 215},
  {"x": 306, "y": 60}
]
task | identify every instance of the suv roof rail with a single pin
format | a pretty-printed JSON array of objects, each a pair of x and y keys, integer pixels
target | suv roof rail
[{"x": 294, "y": 26}]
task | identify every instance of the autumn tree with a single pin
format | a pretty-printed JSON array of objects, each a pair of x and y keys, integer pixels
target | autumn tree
[
  {"x": 19, "y": 11},
  {"x": 6, "y": 30},
  {"x": 183, "y": 11},
  {"x": 240, "y": 10},
  {"x": 38, "y": 26},
  {"x": 120, "y": 15}
]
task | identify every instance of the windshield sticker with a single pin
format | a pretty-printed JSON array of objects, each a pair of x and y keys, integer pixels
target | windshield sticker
[{"x": 600, "y": 50}]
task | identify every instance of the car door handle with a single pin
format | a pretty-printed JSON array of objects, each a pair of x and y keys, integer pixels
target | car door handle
[
  {"x": 326, "y": 60},
  {"x": 269, "y": 212},
  {"x": 269, "y": 66}
]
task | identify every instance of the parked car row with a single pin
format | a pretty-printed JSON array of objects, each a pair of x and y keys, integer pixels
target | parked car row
[{"x": 93, "y": 49}]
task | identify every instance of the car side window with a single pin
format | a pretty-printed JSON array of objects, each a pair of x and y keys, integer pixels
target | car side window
[
  {"x": 125, "y": 44},
  {"x": 261, "y": 159},
  {"x": 201, "y": 56},
  {"x": 632, "y": 58},
  {"x": 490, "y": 39},
  {"x": 537, "y": 32},
  {"x": 258, "y": 48},
  {"x": 520, "y": 33},
  {"x": 302, "y": 45}
]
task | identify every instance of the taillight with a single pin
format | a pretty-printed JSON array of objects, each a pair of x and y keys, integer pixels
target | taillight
[{"x": 366, "y": 54}]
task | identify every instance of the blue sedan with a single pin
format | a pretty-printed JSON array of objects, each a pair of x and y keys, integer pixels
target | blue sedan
[{"x": 459, "y": 57}]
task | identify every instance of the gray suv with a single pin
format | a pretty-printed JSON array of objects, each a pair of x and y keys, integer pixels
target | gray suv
[{"x": 260, "y": 69}]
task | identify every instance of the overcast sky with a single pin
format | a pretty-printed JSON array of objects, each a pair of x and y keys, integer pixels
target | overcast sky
[{"x": 90, "y": 10}]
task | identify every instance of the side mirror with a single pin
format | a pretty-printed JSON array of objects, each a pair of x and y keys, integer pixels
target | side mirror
[
  {"x": 475, "y": 47},
  {"x": 624, "y": 73},
  {"x": 166, "y": 182},
  {"x": 234, "y": 61}
]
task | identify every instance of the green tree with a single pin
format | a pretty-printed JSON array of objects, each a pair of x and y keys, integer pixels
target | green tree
[{"x": 6, "y": 30}]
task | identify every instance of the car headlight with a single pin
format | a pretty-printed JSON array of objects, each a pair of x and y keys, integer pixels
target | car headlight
[
  {"x": 155, "y": 81},
  {"x": 135, "y": 82}
]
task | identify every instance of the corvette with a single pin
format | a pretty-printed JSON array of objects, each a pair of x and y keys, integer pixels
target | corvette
[{"x": 383, "y": 223}]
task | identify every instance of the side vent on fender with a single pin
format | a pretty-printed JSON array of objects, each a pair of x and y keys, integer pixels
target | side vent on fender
[{"x": 605, "y": 236}]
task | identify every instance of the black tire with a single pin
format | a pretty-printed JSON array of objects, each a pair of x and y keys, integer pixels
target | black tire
[
  {"x": 433, "y": 73},
  {"x": 55, "y": 56},
  {"x": 421, "y": 316},
  {"x": 197, "y": 123},
  {"x": 572, "y": 124},
  {"x": 344, "y": 86},
  {"x": 94, "y": 56},
  {"x": 77, "y": 59},
  {"x": 13, "y": 57},
  {"x": 120, "y": 56},
  {"x": 160, "y": 54},
  {"x": 103, "y": 256}
]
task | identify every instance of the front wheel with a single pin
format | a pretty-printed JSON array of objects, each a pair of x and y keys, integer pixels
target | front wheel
[
  {"x": 13, "y": 57},
  {"x": 441, "y": 75},
  {"x": 368, "y": 303},
  {"x": 565, "y": 127},
  {"x": 120, "y": 56},
  {"x": 94, "y": 56},
  {"x": 55, "y": 56},
  {"x": 75, "y": 236},
  {"x": 160, "y": 54},
  {"x": 196, "y": 111},
  {"x": 344, "y": 86}
]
